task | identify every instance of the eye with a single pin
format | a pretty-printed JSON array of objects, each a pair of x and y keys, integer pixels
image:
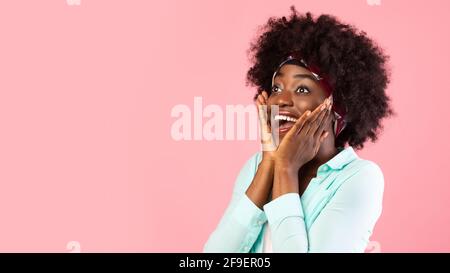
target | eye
[
  {"x": 302, "y": 89},
  {"x": 276, "y": 89}
]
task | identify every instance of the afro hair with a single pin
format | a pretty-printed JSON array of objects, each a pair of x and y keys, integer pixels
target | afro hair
[{"x": 353, "y": 63}]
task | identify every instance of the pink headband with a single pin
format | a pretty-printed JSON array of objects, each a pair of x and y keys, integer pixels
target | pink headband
[{"x": 324, "y": 82}]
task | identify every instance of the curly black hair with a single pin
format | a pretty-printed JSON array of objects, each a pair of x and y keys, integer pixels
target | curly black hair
[{"x": 355, "y": 65}]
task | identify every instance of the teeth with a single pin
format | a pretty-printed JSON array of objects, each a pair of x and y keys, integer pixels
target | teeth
[{"x": 283, "y": 117}]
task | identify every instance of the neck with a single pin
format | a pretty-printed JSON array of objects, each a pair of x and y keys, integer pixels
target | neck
[{"x": 326, "y": 152}]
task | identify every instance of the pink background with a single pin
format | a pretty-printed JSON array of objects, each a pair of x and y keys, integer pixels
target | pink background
[{"x": 86, "y": 93}]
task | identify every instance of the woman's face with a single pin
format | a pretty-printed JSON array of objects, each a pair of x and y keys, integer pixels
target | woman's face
[{"x": 294, "y": 91}]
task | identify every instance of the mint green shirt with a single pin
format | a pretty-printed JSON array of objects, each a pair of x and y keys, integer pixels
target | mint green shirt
[{"x": 336, "y": 213}]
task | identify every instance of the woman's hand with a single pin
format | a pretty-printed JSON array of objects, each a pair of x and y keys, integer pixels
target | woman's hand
[
  {"x": 260, "y": 188},
  {"x": 303, "y": 140},
  {"x": 267, "y": 140}
]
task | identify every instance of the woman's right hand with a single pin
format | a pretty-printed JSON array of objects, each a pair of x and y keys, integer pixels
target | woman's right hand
[
  {"x": 259, "y": 191},
  {"x": 267, "y": 141}
]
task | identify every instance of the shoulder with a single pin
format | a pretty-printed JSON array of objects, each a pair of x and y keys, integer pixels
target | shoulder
[
  {"x": 247, "y": 171},
  {"x": 364, "y": 180},
  {"x": 253, "y": 161},
  {"x": 363, "y": 168}
]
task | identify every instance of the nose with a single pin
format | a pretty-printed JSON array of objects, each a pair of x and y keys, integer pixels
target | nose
[{"x": 284, "y": 99}]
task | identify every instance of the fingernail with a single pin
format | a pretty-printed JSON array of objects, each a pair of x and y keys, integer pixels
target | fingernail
[
  {"x": 308, "y": 113},
  {"x": 323, "y": 106}
]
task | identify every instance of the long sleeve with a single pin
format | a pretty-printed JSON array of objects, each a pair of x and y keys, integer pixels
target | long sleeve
[
  {"x": 345, "y": 223},
  {"x": 242, "y": 221}
]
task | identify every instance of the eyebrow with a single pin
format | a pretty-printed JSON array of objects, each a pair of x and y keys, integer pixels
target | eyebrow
[{"x": 298, "y": 76}]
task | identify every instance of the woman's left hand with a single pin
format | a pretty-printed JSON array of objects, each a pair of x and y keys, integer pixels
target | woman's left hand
[{"x": 302, "y": 141}]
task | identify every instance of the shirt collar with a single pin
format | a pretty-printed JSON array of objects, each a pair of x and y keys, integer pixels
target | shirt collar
[{"x": 345, "y": 156}]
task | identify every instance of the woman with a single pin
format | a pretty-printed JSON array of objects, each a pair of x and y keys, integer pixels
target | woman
[{"x": 321, "y": 94}]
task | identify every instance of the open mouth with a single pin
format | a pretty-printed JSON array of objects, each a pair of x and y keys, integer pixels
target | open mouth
[{"x": 285, "y": 122}]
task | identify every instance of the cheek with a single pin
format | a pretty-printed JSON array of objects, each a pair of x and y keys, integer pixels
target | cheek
[
  {"x": 270, "y": 100},
  {"x": 304, "y": 104}
]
